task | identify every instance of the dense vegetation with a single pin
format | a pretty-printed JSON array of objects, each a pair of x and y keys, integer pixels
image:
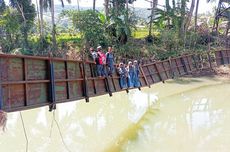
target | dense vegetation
[{"x": 166, "y": 31}]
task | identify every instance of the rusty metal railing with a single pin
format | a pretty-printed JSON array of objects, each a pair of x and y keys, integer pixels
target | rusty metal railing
[{"x": 28, "y": 81}]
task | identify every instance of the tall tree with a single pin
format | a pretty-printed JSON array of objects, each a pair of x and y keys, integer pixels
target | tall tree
[
  {"x": 41, "y": 5},
  {"x": 11, "y": 23},
  {"x": 28, "y": 13},
  {"x": 168, "y": 10},
  {"x": 94, "y": 5},
  {"x": 2, "y": 6},
  {"x": 196, "y": 14},
  {"x": 152, "y": 16},
  {"x": 189, "y": 16},
  {"x": 106, "y": 5},
  {"x": 127, "y": 11},
  {"x": 2, "y": 9},
  {"x": 54, "y": 41},
  {"x": 50, "y": 4},
  {"x": 182, "y": 18}
]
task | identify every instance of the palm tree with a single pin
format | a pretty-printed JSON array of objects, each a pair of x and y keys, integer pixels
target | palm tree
[
  {"x": 44, "y": 4},
  {"x": 94, "y": 5},
  {"x": 189, "y": 16},
  {"x": 152, "y": 16},
  {"x": 196, "y": 13},
  {"x": 41, "y": 4}
]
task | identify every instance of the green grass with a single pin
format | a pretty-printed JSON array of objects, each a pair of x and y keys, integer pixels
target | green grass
[
  {"x": 66, "y": 37},
  {"x": 143, "y": 32},
  {"x": 140, "y": 33}
]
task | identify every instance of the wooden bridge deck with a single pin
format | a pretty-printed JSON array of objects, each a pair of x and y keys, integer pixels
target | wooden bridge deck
[{"x": 28, "y": 82}]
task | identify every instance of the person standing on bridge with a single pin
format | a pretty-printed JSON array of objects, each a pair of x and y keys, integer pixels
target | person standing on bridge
[
  {"x": 123, "y": 76},
  {"x": 93, "y": 57},
  {"x": 130, "y": 70},
  {"x": 102, "y": 62},
  {"x": 136, "y": 81},
  {"x": 110, "y": 61}
]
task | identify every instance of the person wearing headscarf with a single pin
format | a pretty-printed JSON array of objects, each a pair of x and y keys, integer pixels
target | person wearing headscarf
[
  {"x": 123, "y": 76},
  {"x": 136, "y": 81},
  {"x": 130, "y": 70}
]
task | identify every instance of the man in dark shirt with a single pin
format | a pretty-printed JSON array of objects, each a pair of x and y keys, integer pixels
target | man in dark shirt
[
  {"x": 93, "y": 57},
  {"x": 110, "y": 61}
]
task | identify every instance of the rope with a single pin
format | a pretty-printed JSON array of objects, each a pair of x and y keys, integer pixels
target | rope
[
  {"x": 59, "y": 130},
  {"x": 24, "y": 129}
]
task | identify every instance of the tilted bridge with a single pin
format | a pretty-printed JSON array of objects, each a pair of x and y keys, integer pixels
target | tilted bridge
[{"x": 28, "y": 82}]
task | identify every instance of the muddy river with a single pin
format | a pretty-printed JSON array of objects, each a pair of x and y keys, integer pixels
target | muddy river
[{"x": 181, "y": 115}]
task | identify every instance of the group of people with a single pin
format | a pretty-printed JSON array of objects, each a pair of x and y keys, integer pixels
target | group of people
[
  {"x": 102, "y": 61},
  {"x": 129, "y": 75}
]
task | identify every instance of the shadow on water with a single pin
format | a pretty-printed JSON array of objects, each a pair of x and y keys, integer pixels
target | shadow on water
[
  {"x": 195, "y": 89},
  {"x": 131, "y": 132},
  {"x": 184, "y": 81},
  {"x": 190, "y": 80}
]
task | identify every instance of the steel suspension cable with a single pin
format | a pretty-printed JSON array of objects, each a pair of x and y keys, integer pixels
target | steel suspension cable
[
  {"x": 24, "y": 129},
  {"x": 59, "y": 130}
]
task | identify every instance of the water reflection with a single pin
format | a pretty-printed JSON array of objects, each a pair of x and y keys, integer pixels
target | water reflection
[
  {"x": 196, "y": 120},
  {"x": 186, "y": 121}
]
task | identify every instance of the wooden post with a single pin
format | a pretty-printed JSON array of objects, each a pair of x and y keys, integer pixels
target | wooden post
[
  {"x": 144, "y": 76},
  {"x": 52, "y": 85}
]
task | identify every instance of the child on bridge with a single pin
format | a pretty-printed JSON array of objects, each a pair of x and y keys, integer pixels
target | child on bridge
[{"x": 123, "y": 76}]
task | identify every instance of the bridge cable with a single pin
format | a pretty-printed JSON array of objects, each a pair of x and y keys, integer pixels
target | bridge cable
[
  {"x": 24, "y": 129},
  {"x": 59, "y": 130}
]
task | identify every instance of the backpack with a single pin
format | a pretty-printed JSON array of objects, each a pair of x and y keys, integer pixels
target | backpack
[{"x": 102, "y": 58}]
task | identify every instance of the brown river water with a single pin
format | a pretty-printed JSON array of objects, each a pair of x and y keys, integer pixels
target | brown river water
[{"x": 181, "y": 115}]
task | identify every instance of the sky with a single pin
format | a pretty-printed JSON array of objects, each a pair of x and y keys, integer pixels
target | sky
[{"x": 204, "y": 7}]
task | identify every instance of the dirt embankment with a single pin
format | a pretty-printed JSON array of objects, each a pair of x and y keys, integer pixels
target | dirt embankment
[{"x": 222, "y": 71}]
